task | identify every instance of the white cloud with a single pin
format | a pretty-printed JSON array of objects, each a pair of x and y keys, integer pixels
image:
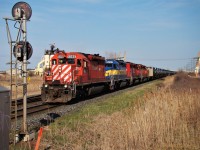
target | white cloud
[
  {"x": 164, "y": 24},
  {"x": 68, "y": 10},
  {"x": 172, "y": 4},
  {"x": 88, "y": 1},
  {"x": 38, "y": 17}
]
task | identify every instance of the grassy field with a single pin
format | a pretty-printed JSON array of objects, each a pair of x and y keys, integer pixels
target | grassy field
[
  {"x": 164, "y": 114},
  {"x": 34, "y": 84}
]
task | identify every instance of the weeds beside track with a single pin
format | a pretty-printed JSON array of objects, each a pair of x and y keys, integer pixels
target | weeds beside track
[{"x": 165, "y": 118}]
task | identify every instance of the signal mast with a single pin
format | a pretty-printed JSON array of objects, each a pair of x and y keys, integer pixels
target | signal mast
[{"x": 22, "y": 51}]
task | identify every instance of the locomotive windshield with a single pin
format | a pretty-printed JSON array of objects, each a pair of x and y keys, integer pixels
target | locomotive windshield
[
  {"x": 62, "y": 60},
  {"x": 71, "y": 61},
  {"x": 109, "y": 65}
]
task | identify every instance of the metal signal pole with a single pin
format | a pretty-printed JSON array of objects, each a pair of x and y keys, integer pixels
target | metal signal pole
[
  {"x": 24, "y": 76},
  {"x": 22, "y": 51}
]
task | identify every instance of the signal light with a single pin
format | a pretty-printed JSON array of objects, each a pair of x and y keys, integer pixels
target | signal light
[
  {"x": 21, "y": 8},
  {"x": 18, "y": 50}
]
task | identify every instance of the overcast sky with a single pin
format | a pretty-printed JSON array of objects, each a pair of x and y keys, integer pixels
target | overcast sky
[{"x": 160, "y": 33}]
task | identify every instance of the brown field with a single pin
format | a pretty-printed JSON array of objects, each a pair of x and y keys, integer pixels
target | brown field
[
  {"x": 33, "y": 84},
  {"x": 166, "y": 118}
]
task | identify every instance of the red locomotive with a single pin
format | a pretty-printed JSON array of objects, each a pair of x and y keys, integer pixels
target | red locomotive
[
  {"x": 73, "y": 74},
  {"x": 136, "y": 72}
]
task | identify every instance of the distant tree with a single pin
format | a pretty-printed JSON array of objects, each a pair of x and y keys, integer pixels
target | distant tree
[
  {"x": 31, "y": 73},
  {"x": 115, "y": 55},
  {"x": 110, "y": 55}
]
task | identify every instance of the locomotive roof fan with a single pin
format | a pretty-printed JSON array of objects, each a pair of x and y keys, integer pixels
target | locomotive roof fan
[{"x": 21, "y": 8}]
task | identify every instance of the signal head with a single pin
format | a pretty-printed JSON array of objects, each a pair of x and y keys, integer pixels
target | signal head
[
  {"x": 18, "y": 50},
  {"x": 21, "y": 8}
]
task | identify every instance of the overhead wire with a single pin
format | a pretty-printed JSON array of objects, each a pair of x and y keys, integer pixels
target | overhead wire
[{"x": 160, "y": 59}]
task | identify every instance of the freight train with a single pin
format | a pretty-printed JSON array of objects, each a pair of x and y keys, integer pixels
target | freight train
[{"x": 77, "y": 75}]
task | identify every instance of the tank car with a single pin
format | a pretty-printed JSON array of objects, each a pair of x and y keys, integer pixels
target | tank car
[
  {"x": 156, "y": 73},
  {"x": 73, "y": 74}
]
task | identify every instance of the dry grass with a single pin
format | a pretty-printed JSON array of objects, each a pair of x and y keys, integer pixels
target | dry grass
[
  {"x": 167, "y": 118},
  {"x": 33, "y": 84},
  {"x": 165, "y": 121}
]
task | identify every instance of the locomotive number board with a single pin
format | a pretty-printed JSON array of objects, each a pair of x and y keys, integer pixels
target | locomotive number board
[{"x": 71, "y": 56}]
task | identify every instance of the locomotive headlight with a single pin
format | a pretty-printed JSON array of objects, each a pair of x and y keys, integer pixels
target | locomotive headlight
[
  {"x": 45, "y": 85},
  {"x": 65, "y": 86}
]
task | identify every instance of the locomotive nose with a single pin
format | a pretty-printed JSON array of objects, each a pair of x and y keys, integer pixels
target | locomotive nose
[{"x": 63, "y": 73}]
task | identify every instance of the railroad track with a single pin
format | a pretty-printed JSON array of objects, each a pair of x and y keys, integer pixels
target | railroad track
[
  {"x": 30, "y": 99},
  {"x": 34, "y": 105}
]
